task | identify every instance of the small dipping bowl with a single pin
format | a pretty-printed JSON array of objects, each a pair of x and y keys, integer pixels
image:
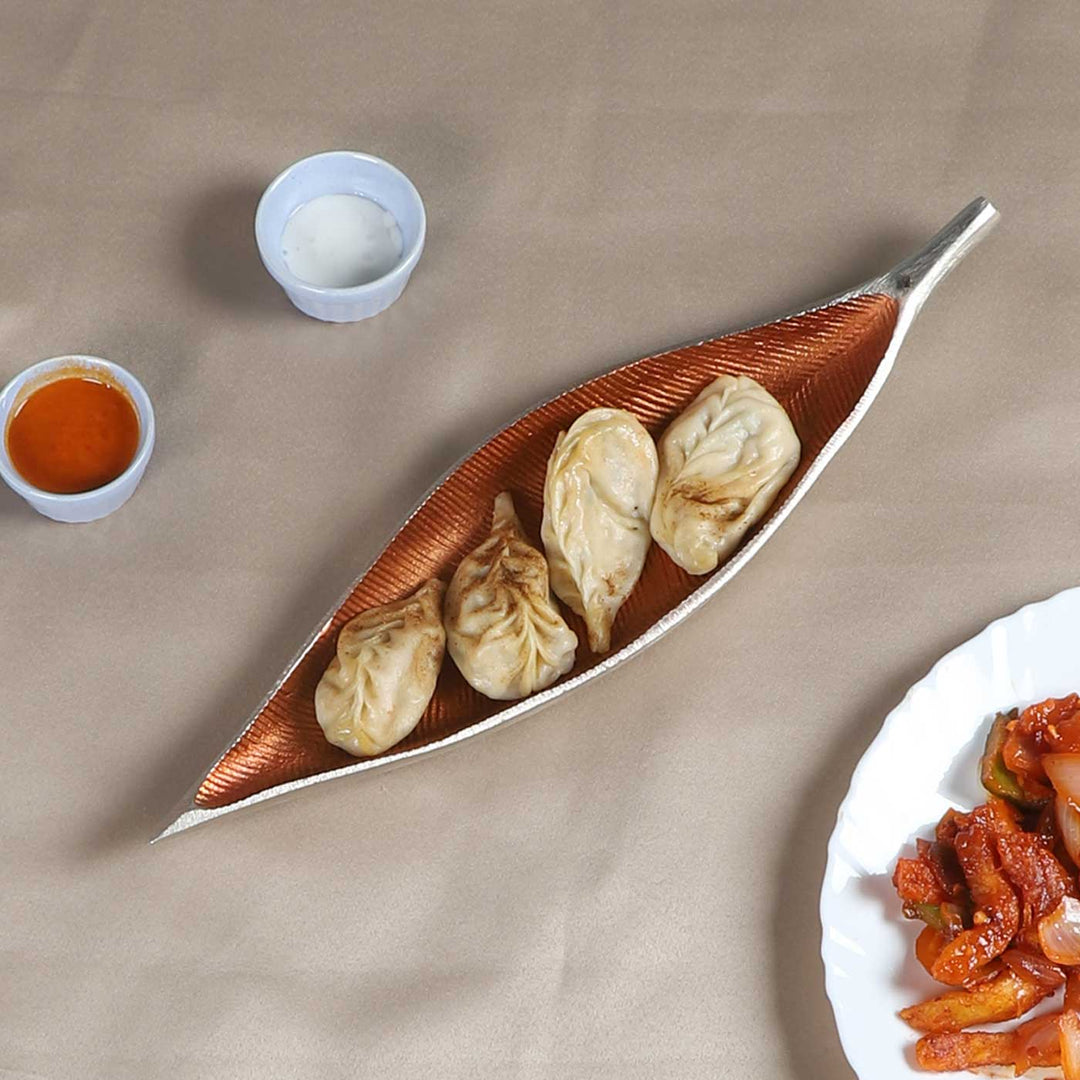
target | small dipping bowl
[
  {"x": 85, "y": 505},
  {"x": 341, "y": 172}
]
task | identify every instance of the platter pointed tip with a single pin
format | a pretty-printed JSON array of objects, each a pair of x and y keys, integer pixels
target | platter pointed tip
[{"x": 187, "y": 818}]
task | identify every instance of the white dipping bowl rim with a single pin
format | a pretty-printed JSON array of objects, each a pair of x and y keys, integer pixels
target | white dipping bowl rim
[
  {"x": 38, "y": 497},
  {"x": 275, "y": 263}
]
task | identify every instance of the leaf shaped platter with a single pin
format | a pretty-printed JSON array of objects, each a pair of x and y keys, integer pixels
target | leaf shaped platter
[{"x": 825, "y": 366}]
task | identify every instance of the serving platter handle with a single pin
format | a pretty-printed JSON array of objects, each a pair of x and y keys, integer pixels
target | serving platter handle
[{"x": 912, "y": 281}]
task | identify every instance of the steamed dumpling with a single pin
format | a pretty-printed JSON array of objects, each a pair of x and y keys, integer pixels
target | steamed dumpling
[
  {"x": 722, "y": 463},
  {"x": 379, "y": 684},
  {"x": 599, "y": 490},
  {"x": 502, "y": 626}
]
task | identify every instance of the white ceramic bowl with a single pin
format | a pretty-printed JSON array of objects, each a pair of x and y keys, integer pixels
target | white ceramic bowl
[
  {"x": 86, "y": 505},
  {"x": 341, "y": 172}
]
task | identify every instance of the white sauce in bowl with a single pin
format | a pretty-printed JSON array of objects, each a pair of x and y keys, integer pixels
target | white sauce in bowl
[{"x": 339, "y": 241}]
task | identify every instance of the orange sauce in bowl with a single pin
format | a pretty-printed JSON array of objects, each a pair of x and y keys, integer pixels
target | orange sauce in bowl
[{"x": 73, "y": 434}]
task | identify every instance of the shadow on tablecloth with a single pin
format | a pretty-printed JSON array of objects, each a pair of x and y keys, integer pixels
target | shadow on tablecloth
[
  {"x": 218, "y": 247},
  {"x": 801, "y": 1006}
]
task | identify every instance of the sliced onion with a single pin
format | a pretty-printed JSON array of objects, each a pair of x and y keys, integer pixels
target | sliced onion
[
  {"x": 1072, "y": 989},
  {"x": 1064, "y": 773},
  {"x": 1038, "y": 1042},
  {"x": 1068, "y": 822},
  {"x": 1059, "y": 933},
  {"x": 1034, "y": 968},
  {"x": 1069, "y": 1030}
]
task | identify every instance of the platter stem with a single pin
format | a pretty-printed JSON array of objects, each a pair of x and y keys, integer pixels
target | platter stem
[{"x": 912, "y": 281}]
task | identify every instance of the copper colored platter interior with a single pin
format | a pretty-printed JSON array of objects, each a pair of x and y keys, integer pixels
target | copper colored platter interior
[{"x": 817, "y": 365}]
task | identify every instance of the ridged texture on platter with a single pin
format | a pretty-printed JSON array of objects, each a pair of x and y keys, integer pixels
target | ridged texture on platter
[{"x": 817, "y": 365}]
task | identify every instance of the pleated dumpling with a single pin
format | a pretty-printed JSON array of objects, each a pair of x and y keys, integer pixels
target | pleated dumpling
[
  {"x": 382, "y": 678},
  {"x": 601, "y": 479},
  {"x": 502, "y": 626},
  {"x": 722, "y": 463}
]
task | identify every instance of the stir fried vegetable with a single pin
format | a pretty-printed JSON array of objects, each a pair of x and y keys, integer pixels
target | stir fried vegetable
[
  {"x": 1004, "y": 997},
  {"x": 953, "y": 1051},
  {"x": 996, "y": 776},
  {"x": 998, "y": 893},
  {"x": 1035, "y": 1044}
]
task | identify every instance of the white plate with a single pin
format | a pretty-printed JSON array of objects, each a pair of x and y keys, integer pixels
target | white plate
[{"x": 923, "y": 761}]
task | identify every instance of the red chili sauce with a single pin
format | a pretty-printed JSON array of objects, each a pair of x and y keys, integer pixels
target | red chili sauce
[{"x": 73, "y": 434}]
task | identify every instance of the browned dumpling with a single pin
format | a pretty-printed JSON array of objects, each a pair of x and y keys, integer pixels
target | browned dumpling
[
  {"x": 502, "y": 626},
  {"x": 382, "y": 678},
  {"x": 598, "y": 494},
  {"x": 722, "y": 463}
]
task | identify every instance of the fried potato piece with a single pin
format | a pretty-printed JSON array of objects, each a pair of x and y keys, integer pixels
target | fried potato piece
[
  {"x": 956, "y": 1051},
  {"x": 1035, "y": 1044},
  {"x": 1004, "y": 997},
  {"x": 997, "y": 909}
]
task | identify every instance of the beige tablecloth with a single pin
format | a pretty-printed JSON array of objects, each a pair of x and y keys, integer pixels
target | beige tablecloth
[{"x": 626, "y": 885}]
